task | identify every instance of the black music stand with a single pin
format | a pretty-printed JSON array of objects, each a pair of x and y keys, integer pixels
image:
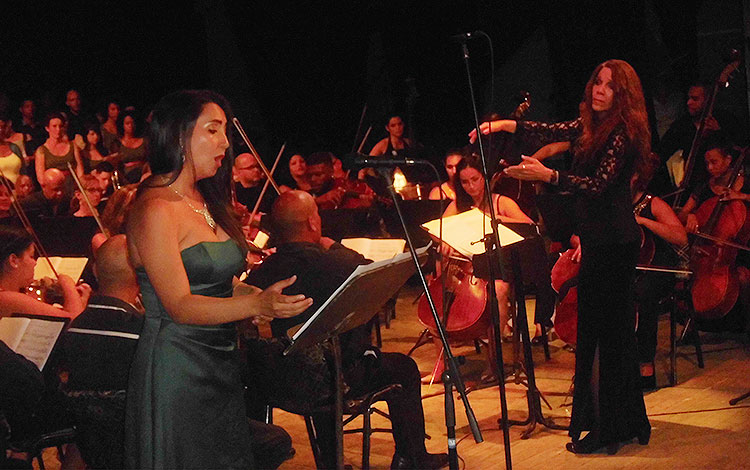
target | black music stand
[{"x": 348, "y": 308}]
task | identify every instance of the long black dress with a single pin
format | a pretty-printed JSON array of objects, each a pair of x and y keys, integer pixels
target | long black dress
[{"x": 606, "y": 315}]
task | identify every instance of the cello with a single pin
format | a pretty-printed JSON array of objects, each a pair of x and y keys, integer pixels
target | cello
[{"x": 715, "y": 288}]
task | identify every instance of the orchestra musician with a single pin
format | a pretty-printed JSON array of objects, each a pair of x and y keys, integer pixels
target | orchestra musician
[
  {"x": 185, "y": 405},
  {"x": 447, "y": 189},
  {"x": 332, "y": 193},
  {"x": 470, "y": 194},
  {"x": 718, "y": 163},
  {"x": 669, "y": 237},
  {"x": 18, "y": 258},
  {"x": 297, "y": 174},
  {"x": 609, "y": 140}
]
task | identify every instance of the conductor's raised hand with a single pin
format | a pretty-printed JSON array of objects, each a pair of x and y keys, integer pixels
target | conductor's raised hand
[{"x": 275, "y": 304}]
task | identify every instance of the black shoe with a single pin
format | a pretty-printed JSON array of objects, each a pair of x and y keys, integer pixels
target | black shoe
[
  {"x": 648, "y": 382},
  {"x": 644, "y": 436},
  {"x": 425, "y": 462},
  {"x": 589, "y": 445}
]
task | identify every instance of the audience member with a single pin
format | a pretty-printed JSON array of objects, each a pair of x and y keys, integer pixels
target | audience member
[
  {"x": 298, "y": 174},
  {"x": 52, "y": 200},
  {"x": 11, "y": 157},
  {"x": 132, "y": 148},
  {"x": 110, "y": 137},
  {"x": 76, "y": 122},
  {"x": 34, "y": 134},
  {"x": 57, "y": 151},
  {"x": 94, "y": 150}
]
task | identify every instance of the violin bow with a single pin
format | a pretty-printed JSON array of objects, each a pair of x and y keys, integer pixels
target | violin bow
[
  {"x": 359, "y": 126},
  {"x": 27, "y": 224},
  {"x": 265, "y": 185},
  {"x": 364, "y": 139},
  {"x": 254, "y": 153},
  {"x": 86, "y": 199}
]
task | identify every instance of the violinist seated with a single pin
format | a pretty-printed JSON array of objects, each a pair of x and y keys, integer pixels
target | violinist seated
[
  {"x": 248, "y": 183},
  {"x": 17, "y": 262},
  {"x": 447, "y": 190},
  {"x": 51, "y": 201},
  {"x": 718, "y": 162},
  {"x": 663, "y": 242},
  {"x": 321, "y": 265},
  {"x": 469, "y": 194},
  {"x": 332, "y": 193},
  {"x": 94, "y": 192},
  {"x": 103, "y": 173}
]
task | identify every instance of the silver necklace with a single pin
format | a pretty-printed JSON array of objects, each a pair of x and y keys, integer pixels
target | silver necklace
[{"x": 202, "y": 211}]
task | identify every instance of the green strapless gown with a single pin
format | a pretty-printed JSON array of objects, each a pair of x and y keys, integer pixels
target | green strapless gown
[{"x": 185, "y": 406}]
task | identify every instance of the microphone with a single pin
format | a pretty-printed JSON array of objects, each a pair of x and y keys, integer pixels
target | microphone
[
  {"x": 463, "y": 37},
  {"x": 387, "y": 162}
]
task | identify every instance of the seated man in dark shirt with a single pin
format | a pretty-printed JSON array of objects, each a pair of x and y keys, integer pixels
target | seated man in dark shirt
[
  {"x": 321, "y": 265},
  {"x": 52, "y": 200},
  {"x": 332, "y": 193},
  {"x": 680, "y": 136}
]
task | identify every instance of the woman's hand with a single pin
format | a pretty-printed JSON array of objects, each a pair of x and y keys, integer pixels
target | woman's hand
[
  {"x": 530, "y": 169},
  {"x": 485, "y": 128},
  {"x": 274, "y": 304}
]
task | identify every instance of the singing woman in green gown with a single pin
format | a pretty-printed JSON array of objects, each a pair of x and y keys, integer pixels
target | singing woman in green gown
[{"x": 185, "y": 406}]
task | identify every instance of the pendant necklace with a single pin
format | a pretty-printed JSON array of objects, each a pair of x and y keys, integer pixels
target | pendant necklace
[{"x": 202, "y": 211}]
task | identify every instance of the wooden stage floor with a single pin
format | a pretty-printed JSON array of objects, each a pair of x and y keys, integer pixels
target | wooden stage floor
[{"x": 693, "y": 425}]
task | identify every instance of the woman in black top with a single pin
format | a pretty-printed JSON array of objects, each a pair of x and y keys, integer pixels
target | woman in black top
[{"x": 610, "y": 140}]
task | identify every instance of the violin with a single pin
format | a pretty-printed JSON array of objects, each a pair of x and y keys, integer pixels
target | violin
[
  {"x": 715, "y": 287},
  {"x": 564, "y": 276}
]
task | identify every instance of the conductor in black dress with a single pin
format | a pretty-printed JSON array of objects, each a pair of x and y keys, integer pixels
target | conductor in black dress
[{"x": 610, "y": 140}]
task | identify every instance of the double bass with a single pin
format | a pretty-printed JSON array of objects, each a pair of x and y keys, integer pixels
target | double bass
[{"x": 725, "y": 226}]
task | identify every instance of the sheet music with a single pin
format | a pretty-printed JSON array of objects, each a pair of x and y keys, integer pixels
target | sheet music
[
  {"x": 72, "y": 266},
  {"x": 376, "y": 249},
  {"x": 462, "y": 231},
  {"x": 38, "y": 340},
  {"x": 12, "y": 329}
]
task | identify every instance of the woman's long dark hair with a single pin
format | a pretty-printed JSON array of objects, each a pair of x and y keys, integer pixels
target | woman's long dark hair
[
  {"x": 172, "y": 123},
  {"x": 464, "y": 201},
  {"x": 13, "y": 241},
  {"x": 628, "y": 110},
  {"x": 93, "y": 126}
]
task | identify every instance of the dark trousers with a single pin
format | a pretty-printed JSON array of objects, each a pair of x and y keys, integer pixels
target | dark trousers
[
  {"x": 606, "y": 324},
  {"x": 650, "y": 290},
  {"x": 405, "y": 407}
]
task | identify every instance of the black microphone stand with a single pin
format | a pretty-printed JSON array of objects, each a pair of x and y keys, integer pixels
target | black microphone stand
[
  {"x": 452, "y": 376},
  {"x": 494, "y": 310}
]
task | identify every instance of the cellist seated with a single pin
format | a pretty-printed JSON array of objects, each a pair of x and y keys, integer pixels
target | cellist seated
[
  {"x": 718, "y": 160},
  {"x": 719, "y": 187},
  {"x": 470, "y": 193}
]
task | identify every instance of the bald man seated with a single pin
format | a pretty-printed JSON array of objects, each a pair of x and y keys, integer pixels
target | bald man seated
[
  {"x": 53, "y": 200},
  {"x": 248, "y": 184},
  {"x": 321, "y": 265}
]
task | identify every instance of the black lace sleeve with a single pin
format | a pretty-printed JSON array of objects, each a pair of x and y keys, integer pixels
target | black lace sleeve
[
  {"x": 566, "y": 131},
  {"x": 610, "y": 165}
]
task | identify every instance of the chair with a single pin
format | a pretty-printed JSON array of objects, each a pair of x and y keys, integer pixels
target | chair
[
  {"x": 34, "y": 446},
  {"x": 353, "y": 408}
]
